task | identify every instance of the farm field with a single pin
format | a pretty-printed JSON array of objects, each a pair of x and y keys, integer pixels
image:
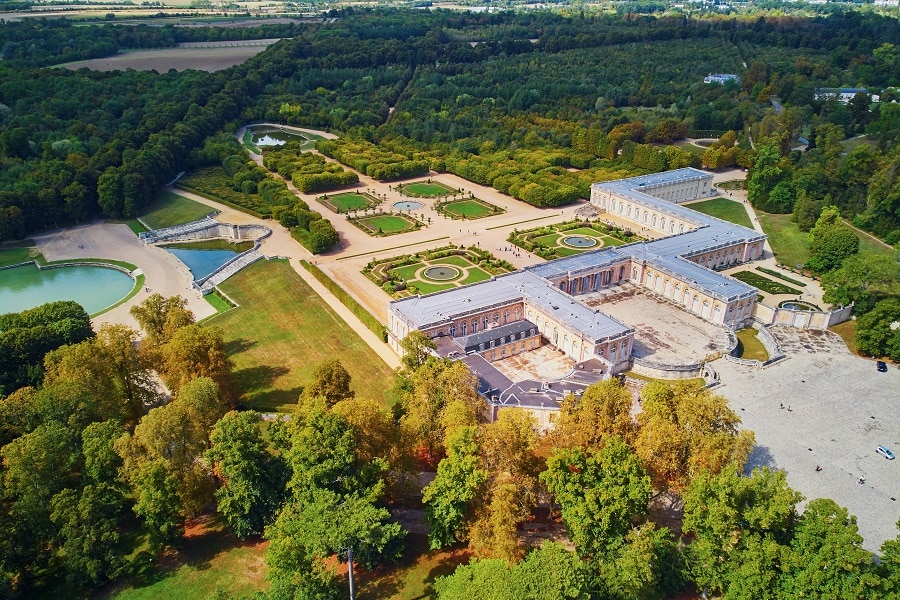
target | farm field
[
  {"x": 169, "y": 209},
  {"x": 725, "y": 209},
  {"x": 208, "y": 59},
  {"x": 281, "y": 331}
]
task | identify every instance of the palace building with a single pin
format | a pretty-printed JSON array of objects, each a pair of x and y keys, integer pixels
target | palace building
[{"x": 538, "y": 305}]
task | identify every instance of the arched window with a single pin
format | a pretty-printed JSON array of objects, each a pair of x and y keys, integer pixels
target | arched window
[
  {"x": 474, "y": 325},
  {"x": 484, "y": 323},
  {"x": 654, "y": 220},
  {"x": 506, "y": 317},
  {"x": 463, "y": 332},
  {"x": 453, "y": 331},
  {"x": 496, "y": 318}
]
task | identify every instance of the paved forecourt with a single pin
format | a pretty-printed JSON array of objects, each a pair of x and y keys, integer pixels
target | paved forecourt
[{"x": 841, "y": 408}]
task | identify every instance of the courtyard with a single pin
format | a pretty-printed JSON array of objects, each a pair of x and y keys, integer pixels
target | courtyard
[
  {"x": 665, "y": 333},
  {"x": 542, "y": 364},
  {"x": 566, "y": 239},
  {"x": 837, "y": 409}
]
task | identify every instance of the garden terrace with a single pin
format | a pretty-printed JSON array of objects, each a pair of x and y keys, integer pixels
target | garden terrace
[
  {"x": 765, "y": 284},
  {"x": 385, "y": 224},
  {"x": 349, "y": 202},
  {"x": 467, "y": 208},
  {"x": 434, "y": 271},
  {"x": 565, "y": 239}
]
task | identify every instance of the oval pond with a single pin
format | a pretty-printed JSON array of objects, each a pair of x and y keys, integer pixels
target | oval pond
[
  {"x": 579, "y": 241},
  {"x": 407, "y": 205},
  {"x": 442, "y": 273},
  {"x": 95, "y": 288}
]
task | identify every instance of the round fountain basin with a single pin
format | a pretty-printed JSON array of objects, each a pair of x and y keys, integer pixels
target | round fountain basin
[
  {"x": 579, "y": 241},
  {"x": 407, "y": 205},
  {"x": 442, "y": 273}
]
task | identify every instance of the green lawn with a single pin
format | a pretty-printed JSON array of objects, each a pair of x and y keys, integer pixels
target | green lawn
[
  {"x": 423, "y": 189},
  {"x": 468, "y": 209},
  {"x": 750, "y": 346},
  {"x": 409, "y": 271},
  {"x": 388, "y": 224},
  {"x": 210, "y": 559},
  {"x": 170, "y": 209},
  {"x": 475, "y": 275},
  {"x": 282, "y": 330},
  {"x": 14, "y": 256},
  {"x": 429, "y": 288},
  {"x": 347, "y": 202},
  {"x": 548, "y": 241},
  {"x": 585, "y": 231},
  {"x": 765, "y": 284},
  {"x": 725, "y": 209},
  {"x": 790, "y": 245},
  {"x": 734, "y": 184},
  {"x": 456, "y": 261}
]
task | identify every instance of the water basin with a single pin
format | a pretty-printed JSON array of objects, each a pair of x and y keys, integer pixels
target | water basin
[
  {"x": 579, "y": 241},
  {"x": 202, "y": 262},
  {"x": 797, "y": 305},
  {"x": 442, "y": 273},
  {"x": 407, "y": 205},
  {"x": 94, "y": 288},
  {"x": 275, "y": 138}
]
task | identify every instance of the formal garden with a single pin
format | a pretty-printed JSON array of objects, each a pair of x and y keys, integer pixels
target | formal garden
[
  {"x": 571, "y": 237},
  {"x": 467, "y": 208},
  {"x": 434, "y": 270},
  {"x": 349, "y": 201},
  {"x": 426, "y": 189},
  {"x": 382, "y": 224},
  {"x": 765, "y": 284}
]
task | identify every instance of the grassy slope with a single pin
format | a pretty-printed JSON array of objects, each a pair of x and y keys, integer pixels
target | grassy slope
[
  {"x": 170, "y": 209},
  {"x": 282, "y": 330},
  {"x": 752, "y": 348},
  {"x": 722, "y": 208},
  {"x": 211, "y": 559},
  {"x": 14, "y": 256}
]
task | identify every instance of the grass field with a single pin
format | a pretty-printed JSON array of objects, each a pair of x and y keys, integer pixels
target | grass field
[
  {"x": 847, "y": 331},
  {"x": 342, "y": 203},
  {"x": 722, "y": 208},
  {"x": 14, "y": 256},
  {"x": 169, "y": 209},
  {"x": 791, "y": 246},
  {"x": 211, "y": 559},
  {"x": 282, "y": 330},
  {"x": 765, "y": 284},
  {"x": 469, "y": 209},
  {"x": 424, "y": 189},
  {"x": 385, "y": 224},
  {"x": 750, "y": 346},
  {"x": 734, "y": 184}
]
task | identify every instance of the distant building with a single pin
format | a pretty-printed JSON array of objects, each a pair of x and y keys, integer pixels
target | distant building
[
  {"x": 721, "y": 78},
  {"x": 842, "y": 95}
]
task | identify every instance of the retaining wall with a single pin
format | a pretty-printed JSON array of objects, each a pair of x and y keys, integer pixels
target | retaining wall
[{"x": 803, "y": 319}]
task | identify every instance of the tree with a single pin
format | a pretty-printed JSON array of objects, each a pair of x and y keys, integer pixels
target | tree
[
  {"x": 888, "y": 569},
  {"x": 432, "y": 390},
  {"x": 741, "y": 526},
  {"x": 863, "y": 279},
  {"x": 194, "y": 351},
  {"x": 601, "y": 493},
  {"x": 827, "y": 558},
  {"x": 876, "y": 334},
  {"x": 113, "y": 366},
  {"x": 645, "y": 568},
  {"x": 603, "y": 409},
  {"x": 417, "y": 348},
  {"x": 449, "y": 497},
  {"x": 830, "y": 242},
  {"x": 330, "y": 381},
  {"x": 486, "y": 579},
  {"x": 160, "y": 317},
  {"x": 685, "y": 429},
  {"x": 253, "y": 480},
  {"x": 767, "y": 172}
]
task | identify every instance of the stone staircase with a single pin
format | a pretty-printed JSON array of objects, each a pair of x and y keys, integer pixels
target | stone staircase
[
  {"x": 157, "y": 235},
  {"x": 208, "y": 283}
]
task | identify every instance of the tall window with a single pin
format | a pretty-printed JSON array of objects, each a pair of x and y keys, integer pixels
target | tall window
[
  {"x": 453, "y": 331},
  {"x": 474, "y": 325},
  {"x": 463, "y": 329}
]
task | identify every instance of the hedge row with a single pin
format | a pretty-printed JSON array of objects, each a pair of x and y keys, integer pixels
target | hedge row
[{"x": 347, "y": 300}]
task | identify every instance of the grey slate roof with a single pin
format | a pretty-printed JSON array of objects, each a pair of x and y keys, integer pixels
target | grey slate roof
[{"x": 471, "y": 342}]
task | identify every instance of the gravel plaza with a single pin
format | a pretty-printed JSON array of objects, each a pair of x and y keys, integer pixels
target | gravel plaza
[{"x": 841, "y": 408}]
